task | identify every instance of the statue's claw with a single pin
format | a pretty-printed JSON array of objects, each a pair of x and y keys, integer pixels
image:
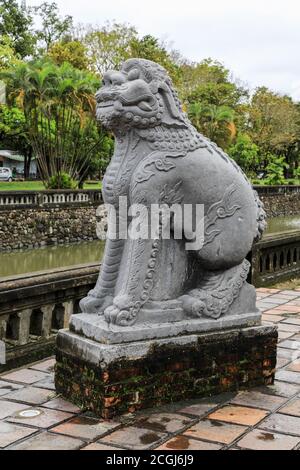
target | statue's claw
[
  {"x": 97, "y": 305},
  {"x": 120, "y": 312},
  {"x": 111, "y": 313}
]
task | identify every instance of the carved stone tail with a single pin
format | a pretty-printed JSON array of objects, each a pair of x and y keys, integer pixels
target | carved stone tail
[{"x": 109, "y": 270}]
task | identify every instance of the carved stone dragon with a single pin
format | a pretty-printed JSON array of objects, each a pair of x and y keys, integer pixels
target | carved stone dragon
[{"x": 161, "y": 158}]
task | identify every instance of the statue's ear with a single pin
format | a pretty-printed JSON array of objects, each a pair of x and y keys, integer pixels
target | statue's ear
[{"x": 173, "y": 115}]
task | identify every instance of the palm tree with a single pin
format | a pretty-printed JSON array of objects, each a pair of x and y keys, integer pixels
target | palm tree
[
  {"x": 59, "y": 106},
  {"x": 216, "y": 122}
]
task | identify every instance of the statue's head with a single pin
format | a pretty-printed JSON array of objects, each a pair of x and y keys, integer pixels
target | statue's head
[{"x": 139, "y": 95}]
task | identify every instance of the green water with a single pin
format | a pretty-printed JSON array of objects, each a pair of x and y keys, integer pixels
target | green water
[
  {"x": 42, "y": 259},
  {"x": 283, "y": 224}
]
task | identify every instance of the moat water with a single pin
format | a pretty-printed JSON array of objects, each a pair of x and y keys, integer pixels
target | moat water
[{"x": 41, "y": 259}]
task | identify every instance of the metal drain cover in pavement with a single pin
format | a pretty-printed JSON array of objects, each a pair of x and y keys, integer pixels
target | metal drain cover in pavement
[{"x": 29, "y": 413}]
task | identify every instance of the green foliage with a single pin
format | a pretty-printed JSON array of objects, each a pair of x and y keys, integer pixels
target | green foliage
[
  {"x": 54, "y": 27},
  {"x": 12, "y": 125},
  {"x": 73, "y": 52},
  {"x": 8, "y": 55},
  {"x": 109, "y": 46},
  {"x": 216, "y": 122},
  {"x": 273, "y": 124},
  {"x": 150, "y": 48},
  {"x": 275, "y": 171},
  {"x": 61, "y": 181},
  {"x": 245, "y": 153},
  {"x": 16, "y": 24},
  {"x": 59, "y": 106},
  {"x": 209, "y": 82}
]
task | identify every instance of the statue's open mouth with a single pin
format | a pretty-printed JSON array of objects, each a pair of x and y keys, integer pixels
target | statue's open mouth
[{"x": 105, "y": 104}]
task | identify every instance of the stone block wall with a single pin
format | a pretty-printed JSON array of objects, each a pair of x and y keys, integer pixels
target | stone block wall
[
  {"x": 280, "y": 200},
  {"x": 35, "y": 227}
]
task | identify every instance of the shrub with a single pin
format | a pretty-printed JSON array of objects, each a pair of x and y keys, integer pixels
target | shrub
[{"x": 61, "y": 181}]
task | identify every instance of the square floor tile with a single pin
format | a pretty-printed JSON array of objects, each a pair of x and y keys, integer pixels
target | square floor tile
[
  {"x": 47, "y": 382},
  {"x": 163, "y": 422},
  {"x": 282, "y": 423},
  {"x": 215, "y": 431},
  {"x": 239, "y": 415},
  {"x": 26, "y": 376},
  {"x": 282, "y": 389},
  {"x": 200, "y": 409},
  {"x": 62, "y": 405},
  {"x": 31, "y": 395},
  {"x": 45, "y": 419},
  {"x": 292, "y": 408},
  {"x": 8, "y": 408},
  {"x": 290, "y": 344},
  {"x": 134, "y": 438},
  {"x": 97, "y": 446},
  {"x": 265, "y": 440},
  {"x": 185, "y": 443},
  {"x": 10, "y": 433},
  {"x": 48, "y": 441},
  {"x": 288, "y": 376},
  {"x": 258, "y": 400},
  {"x": 294, "y": 366},
  {"x": 282, "y": 362},
  {"x": 7, "y": 387},
  {"x": 85, "y": 428},
  {"x": 45, "y": 366},
  {"x": 288, "y": 353}
]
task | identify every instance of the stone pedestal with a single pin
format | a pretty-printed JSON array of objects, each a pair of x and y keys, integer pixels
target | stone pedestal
[{"x": 110, "y": 379}]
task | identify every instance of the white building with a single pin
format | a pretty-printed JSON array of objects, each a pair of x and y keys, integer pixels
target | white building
[{"x": 14, "y": 161}]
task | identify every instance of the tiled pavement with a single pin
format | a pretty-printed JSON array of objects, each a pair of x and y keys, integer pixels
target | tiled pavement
[{"x": 33, "y": 417}]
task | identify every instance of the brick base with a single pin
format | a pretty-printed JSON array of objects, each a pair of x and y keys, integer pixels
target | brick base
[{"x": 215, "y": 363}]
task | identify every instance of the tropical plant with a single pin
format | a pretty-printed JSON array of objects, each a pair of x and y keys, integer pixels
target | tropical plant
[
  {"x": 59, "y": 106},
  {"x": 109, "y": 46},
  {"x": 16, "y": 24},
  {"x": 53, "y": 27},
  {"x": 61, "y": 181},
  {"x": 275, "y": 171},
  {"x": 245, "y": 153},
  {"x": 216, "y": 122},
  {"x": 73, "y": 52}
]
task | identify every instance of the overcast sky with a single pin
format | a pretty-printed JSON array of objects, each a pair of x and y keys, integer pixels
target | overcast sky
[{"x": 259, "y": 40}]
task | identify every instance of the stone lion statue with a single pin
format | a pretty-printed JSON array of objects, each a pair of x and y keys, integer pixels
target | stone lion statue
[{"x": 160, "y": 158}]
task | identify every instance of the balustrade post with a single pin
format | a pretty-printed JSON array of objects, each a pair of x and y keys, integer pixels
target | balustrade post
[
  {"x": 69, "y": 310},
  {"x": 3, "y": 323},
  {"x": 24, "y": 326},
  {"x": 47, "y": 320}
]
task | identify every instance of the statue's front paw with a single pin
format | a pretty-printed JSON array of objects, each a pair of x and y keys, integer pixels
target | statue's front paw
[
  {"x": 193, "y": 307},
  {"x": 97, "y": 305},
  {"x": 121, "y": 312}
]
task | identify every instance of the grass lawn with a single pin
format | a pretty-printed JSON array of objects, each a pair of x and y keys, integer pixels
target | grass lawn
[{"x": 35, "y": 186}]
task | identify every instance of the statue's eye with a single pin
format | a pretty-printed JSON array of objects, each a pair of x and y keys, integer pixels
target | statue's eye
[{"x": 134, "y": 74}]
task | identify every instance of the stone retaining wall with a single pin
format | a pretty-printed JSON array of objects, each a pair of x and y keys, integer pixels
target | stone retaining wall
[
  {"x": 45, "y": 221},
  {"x": 31, "y": 228},
  {"x": 280, "y": 200}
]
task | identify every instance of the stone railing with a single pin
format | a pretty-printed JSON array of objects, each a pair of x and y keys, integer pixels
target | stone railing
[
  {"x": 40, "y": 199},
  {"x": 275, "y": 258},
  {"x": 277, "y": 189},
  {"x": 34, "y": 307}
]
